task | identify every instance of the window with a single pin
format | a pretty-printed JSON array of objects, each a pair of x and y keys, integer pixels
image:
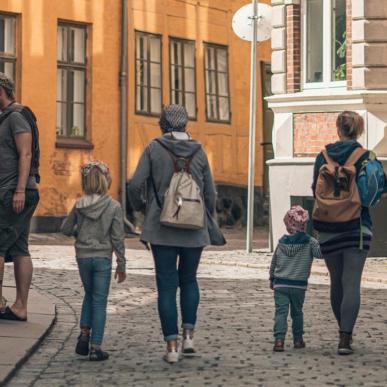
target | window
[
  {"x": 217, "y": 88},
  {"x": 148, "y": 74},
  {"x": 71, "y": 81},
  {"x": 183, "y": 75},
  {"x": 8, "y": 45},
  {"x": 324, "y": 43}
]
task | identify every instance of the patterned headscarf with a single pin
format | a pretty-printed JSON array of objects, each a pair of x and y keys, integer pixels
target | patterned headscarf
[
  {"x": 6, "y": 82},
  {"x": 173, "y": 118},
  {"x": 295, "y": 219},
  {"x": 103, "y": 167}
]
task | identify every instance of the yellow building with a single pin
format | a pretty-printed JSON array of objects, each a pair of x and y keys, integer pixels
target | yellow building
[{"x": 65, "y": 57}]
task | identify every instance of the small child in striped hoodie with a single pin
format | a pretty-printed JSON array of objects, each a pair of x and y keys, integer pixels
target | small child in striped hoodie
[{"x": 289, "y": 272}]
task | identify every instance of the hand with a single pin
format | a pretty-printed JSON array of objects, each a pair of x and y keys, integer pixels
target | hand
[
  {"x": 19, "y": 199},
  {"x": 271, "y": 285},
  {"x": 120, "y": 276}
]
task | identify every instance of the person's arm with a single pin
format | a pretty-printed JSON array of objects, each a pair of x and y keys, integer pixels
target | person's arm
[
  {"x": 23, "y": 141},
  {"x": 316, "y": 250},
  {"x": 272, "y": 268},
  {"x": 137, "y": 182},
  {"x": 209, "y": 190},
  {"x": 69, "y": 224},
  {"x": 117, "y": 235}
]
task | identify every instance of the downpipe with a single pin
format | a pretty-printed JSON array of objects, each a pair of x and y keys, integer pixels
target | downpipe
[{"x": 123, "y": 78}]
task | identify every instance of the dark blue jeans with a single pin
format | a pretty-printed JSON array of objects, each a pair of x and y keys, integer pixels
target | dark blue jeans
[
  {"x": 95, "y": 275},
  {"x": 172, "y": 273}
]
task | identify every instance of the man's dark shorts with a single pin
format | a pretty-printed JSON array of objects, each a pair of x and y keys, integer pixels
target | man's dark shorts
[{"x": 15, "y": 228}]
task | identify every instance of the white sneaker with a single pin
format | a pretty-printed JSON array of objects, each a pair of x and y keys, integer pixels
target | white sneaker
[
  {"x": 188, "y": 346},
  {"x": 171, "y": 356}
]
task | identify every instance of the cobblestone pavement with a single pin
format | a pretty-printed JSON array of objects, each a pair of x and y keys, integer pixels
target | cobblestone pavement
[{"x": 233, "y": 334}]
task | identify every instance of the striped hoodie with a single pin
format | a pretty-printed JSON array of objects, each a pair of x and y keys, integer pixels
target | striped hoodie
[{"x": 292, "y": 261}]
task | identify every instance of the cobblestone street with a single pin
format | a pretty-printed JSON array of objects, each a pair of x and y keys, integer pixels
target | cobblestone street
[{"x": 233, "y": 335}]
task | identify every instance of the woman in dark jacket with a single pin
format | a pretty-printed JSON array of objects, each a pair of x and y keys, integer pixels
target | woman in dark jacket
[
  {"x": 171, "y": 245},
  {"x": 345, "y": 252}
]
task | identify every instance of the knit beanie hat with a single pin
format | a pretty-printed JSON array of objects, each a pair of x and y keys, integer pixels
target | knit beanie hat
[
  {"x": 173, "y": 118},
  {"x": 295, "y": 219}
]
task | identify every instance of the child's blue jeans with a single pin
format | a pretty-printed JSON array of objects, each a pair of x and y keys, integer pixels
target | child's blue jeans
[
  {"x": 285, "y": 297},
  {"x": 95, "y": 275}
]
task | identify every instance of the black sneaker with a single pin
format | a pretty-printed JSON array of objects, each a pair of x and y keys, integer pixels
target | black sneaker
[
  {"x": 82, "y": 347},
  {"x": 98, "y": 355},
  {"x": 345, "y": 344}
]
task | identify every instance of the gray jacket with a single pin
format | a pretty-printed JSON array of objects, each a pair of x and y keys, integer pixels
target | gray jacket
[
  {"x": 98, "y": 226},
  {"x": 156, "y": 161}
]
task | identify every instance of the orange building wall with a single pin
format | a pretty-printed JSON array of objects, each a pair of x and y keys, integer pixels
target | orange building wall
[{"x": 207, "y": 20}]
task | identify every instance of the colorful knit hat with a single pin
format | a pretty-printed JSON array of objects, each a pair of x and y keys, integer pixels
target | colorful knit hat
[
  {"x": 90, "y": 165},
  {"x": 295, "y": 219}
]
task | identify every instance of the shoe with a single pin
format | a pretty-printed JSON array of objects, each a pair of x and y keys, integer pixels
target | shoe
[
  {"x": 299, "y": 343},
  {"x": 98, "y": 355},
  {"x": 172, "y": 356},
  {"x": 82, "y": 347},
  {"x": 188, "y": 346},
  {"x": 345, "y": 344},
  {"x": 279, "y": 345}
]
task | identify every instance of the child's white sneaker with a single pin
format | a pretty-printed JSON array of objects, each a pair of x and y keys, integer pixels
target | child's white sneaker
[
  {"x": 188, "y": 346},
  {"x": 172, "y": 356}
]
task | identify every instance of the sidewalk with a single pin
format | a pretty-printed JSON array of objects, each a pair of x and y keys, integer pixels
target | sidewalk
[{"x": 18, "y": 339}]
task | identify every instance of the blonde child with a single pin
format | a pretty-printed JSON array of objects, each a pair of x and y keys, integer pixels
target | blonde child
[
  {"x": 289, "y": 272},
  {"x": 96, "y": 221}
]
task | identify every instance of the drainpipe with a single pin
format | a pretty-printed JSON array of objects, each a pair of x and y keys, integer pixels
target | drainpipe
[{"x": 123, "y": 108}]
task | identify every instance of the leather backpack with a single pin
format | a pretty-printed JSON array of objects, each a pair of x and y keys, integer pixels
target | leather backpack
[{"x": 337, "y": 205}]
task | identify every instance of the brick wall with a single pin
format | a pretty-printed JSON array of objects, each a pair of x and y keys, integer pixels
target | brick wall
[
  {"x": 293, "y": 55},
  {"x": 349, "y": 44},
  {"x": 312, "y": 131}
]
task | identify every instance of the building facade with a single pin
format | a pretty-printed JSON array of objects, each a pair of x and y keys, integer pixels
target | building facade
[
  {"x": 65, "y": 59},
  {"x": 328, "y": 56}
]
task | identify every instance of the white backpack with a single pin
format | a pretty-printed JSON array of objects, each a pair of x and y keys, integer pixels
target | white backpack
[{"x": 183, "y": 202}]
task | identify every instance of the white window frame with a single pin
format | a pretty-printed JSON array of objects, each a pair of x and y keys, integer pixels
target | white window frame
[{"x": 327, "y": 49}]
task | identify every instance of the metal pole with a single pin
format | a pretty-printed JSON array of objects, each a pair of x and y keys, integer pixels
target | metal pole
[
  {"x": 253, "y": 109},
  {"x": 123, "y": 77}
]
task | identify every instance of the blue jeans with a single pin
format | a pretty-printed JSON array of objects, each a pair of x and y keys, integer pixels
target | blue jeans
[
  {"x": 170, "y": 276},
  {"x": 95, "y": 275},
  {"x": 285, "y": 297}
]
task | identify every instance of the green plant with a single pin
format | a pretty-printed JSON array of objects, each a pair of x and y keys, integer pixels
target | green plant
[{"x": 341, "y": 69}]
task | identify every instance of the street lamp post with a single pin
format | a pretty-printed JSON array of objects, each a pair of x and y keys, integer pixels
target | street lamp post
[{"x": 253, "y": 111}]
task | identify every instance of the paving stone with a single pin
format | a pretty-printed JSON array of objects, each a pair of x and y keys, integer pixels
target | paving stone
[{"x": 234, "y": 332}]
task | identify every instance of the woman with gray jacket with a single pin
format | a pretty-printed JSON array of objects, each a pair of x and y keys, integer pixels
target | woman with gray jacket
[{"x": 176, "y": 252}]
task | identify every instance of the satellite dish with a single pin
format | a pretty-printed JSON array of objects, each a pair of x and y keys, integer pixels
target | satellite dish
[{"x": 242, "y": 22}]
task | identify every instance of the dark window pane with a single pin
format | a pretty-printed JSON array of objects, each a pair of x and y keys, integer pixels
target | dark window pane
[
  {"x": 155, "y": 101},
  {"x": 142, "y": 73},
  {"x": 62, "y": 44},
  {"x": 155, "y": 75},
  {"x": 189, "y": 78},
  {"x": 190, "y": 104},
  {"x": 7, "y": 34},
  {"x": 142, "y": 99},
  {"x": 339, "y": 44},
  {"x": 78, "y": 45},
  {"x": 314, "y": 41}
]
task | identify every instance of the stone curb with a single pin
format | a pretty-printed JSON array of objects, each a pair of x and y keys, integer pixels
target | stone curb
[{"x": 43, "y": 318}]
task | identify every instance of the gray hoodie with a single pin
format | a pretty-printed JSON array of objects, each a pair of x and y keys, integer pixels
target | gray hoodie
[
  {"x": 157, "y": 162},
  {"x": 98, "y": 226}
]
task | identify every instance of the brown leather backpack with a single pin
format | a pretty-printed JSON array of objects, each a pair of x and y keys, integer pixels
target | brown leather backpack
[{"x": 337, "y": 205}]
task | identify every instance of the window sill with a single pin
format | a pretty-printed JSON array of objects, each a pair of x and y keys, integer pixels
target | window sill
[{"x": 73, "y": 143}]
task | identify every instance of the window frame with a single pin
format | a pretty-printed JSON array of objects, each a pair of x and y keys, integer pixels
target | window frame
[
  {"x": 149, "y": 112},
  {"x": 11, "y": 58},
  {"x": 327, "y": 49},
  {"x": 183, "y": 42},
  {"x": 217, "y": 46},
  {"x": 84, "y": 67}
]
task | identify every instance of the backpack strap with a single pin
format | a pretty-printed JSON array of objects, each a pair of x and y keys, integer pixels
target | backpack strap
[
  {"x": 329, "y": 159},
  {"x": 355, "y": 156}
]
